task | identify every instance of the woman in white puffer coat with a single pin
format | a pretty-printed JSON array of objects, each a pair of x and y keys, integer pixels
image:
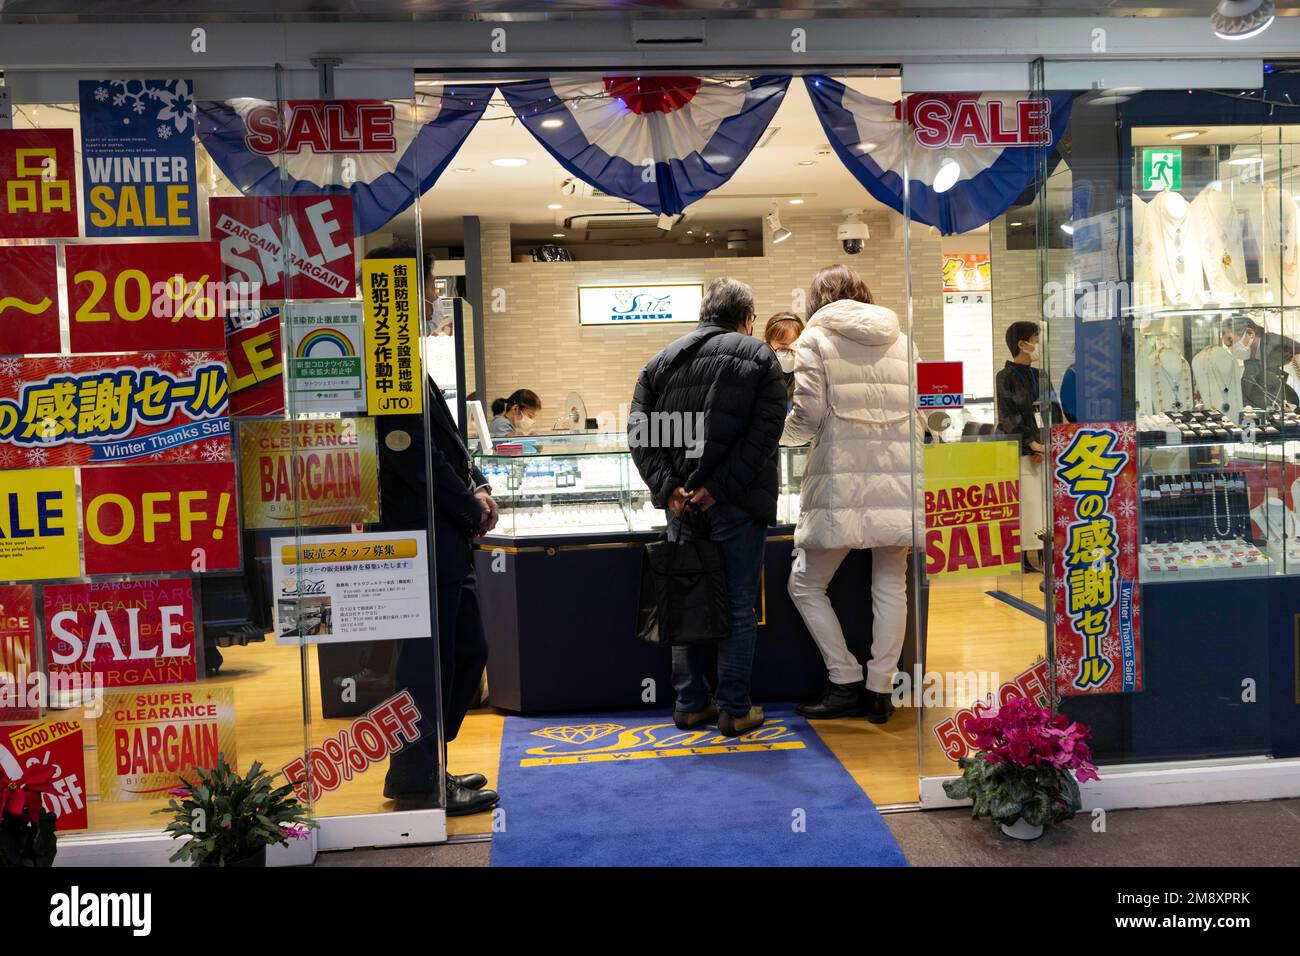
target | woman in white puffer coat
[{"x": 853, "y": 401}]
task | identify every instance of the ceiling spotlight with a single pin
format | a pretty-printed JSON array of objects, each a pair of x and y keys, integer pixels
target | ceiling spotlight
[
  {"x": 509, "y": 161},
  {"x": 1241, "y": 19},
  {"x": 1186, "y": 134},
  {"x": 557, "y": 235},
  {"x": 554, "y": 205},
  {"x": 947, "y": 175},
  {"x": 796, "y": 202},
  {"x": 779, "y": 232}
]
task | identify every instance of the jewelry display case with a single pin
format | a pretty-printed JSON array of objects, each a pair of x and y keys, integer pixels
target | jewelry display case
[{"x": 588, "y": 484}]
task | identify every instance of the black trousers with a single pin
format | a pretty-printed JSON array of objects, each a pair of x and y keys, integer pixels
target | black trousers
[{"x": 461, "y": 650}]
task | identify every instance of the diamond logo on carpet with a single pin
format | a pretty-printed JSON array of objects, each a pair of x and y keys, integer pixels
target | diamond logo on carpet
[{"x": 579, "y": 733}]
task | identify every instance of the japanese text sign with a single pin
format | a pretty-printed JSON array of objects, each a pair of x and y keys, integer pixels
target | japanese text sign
[
  {"x": 125, "y": 633},
  {"x": 1095, "y": 554},
  {"x": 139, "y": 296},
  {"x": 313, "y": 261},
  {"x": 172, "y": 518},
  {"x": 972, "y": 508},
  {"x": 38, "y": 173},
  {"x": 137, "y": 154},
  {"x": 29, "y": 300},
  {"x": 75, "y": 410},
  {"x": 394, "y": 380}
]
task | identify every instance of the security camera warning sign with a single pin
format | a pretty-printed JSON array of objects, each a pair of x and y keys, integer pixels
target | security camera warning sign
[{"x": 938, "y": 385}]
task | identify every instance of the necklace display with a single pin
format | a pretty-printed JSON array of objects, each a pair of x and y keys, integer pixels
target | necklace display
[
  {"x": 1178, "y": 258},
  {"x": 1227, "y": 508},
  {"x": 1173, "y": 381},
  {"x": 1281, "y": 234},
  {"x": 1218, "y": 379}
]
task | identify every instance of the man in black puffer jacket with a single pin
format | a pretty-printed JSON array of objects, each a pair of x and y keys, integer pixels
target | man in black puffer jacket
[{"x": 704, "y": 426}]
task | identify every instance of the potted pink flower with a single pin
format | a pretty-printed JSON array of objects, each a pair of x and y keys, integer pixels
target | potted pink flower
[{"x": 1027, "y": 770}]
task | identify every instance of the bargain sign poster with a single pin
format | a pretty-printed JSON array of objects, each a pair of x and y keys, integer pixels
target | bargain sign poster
[
  {"x": 29, "y": 300},
  {"x": 149, "y": 739},
  {"x": 17, "y": 652},
  {"x": 38, "y": 170},
  {"x": 38, "y": 525},
  {"x": 55, "y": 745},
  {"x": 295, "y": 247},
  {"x": 169, "y": 518},
  {"x": 1095, "y": 553},
  {"x": 132, "y": 633},
  {"x": 141, "y": 296},
  {"x": 76, "y": 410},
  {"x": 256, "y": 368},
  {"x": 972, "y": 508},
  {"x": 319, "y": 473},
  {"x": 137, "y": 155}
]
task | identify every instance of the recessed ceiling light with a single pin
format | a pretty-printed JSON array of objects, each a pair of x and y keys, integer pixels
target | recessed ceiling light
[
  {"x": 552, "y": 123},
  {"x": 807, "y": 162},
  {"x": 796, "y": 202},
  {"x": 1017, "y": 224},
  {"x": 1187, "y": 134},
  {"x": 553, "y": 205},
  {"x": 509, "y": 161},
  {"x": 557, "y": 235},
  {"x": 946, "y": 176},
  {"x": 463, "y": 169}
]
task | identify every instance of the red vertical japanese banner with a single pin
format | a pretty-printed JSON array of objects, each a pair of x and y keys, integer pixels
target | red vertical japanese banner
[{"x": 1095, "y": 555}]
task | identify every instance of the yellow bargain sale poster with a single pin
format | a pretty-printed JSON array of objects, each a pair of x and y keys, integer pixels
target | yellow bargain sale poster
[
  {"x": 149, "y": 739},
  {"x": 972, "y": 508},
  {"x": 38, "y": 525}
]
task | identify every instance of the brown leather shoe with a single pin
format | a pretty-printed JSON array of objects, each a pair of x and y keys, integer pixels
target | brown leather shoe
[
  {"x": 733, "y": 726},
  {"x": 685, "y": 719}
]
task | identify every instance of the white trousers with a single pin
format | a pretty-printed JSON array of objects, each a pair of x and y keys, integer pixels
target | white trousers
[{"x": 888, "y": 610}]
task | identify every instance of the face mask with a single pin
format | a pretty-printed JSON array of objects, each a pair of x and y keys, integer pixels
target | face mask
[
  {"x": 1032, "y": 352},
  {"x": 787, "y": 361},
  {"x": 1240, "y": 349},
  {"x": 525, "y": 424}
]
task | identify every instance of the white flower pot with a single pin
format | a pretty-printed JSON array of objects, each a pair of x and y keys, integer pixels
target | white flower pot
[{"x": 1022, "y": 830}]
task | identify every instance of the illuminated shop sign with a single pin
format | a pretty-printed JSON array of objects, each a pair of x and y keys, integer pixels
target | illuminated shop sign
[{"x": 639, "y": 304}]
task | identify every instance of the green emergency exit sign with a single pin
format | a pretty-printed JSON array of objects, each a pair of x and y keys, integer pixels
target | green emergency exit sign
[{"x": 1162, "y": 168}]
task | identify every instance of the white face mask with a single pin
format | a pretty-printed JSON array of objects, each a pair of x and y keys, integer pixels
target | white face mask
[
  {"x": 524, "y": 425},
  {"x": 787, "y": 361},
  {"x": 1240, "y": 349},
  {"x": 1031, "y": 351}
]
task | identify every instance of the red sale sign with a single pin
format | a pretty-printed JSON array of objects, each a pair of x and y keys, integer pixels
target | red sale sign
[
  {"x": 143, "y": 296},
  {"x": 311, "y": 260},
  {"x": 38, "y": 175},
  {"x": 322, "y": 126},
  {"x": 29, "y": 300},
  {"x": 945, "y": 120},
  {"x": 1095, "y": 555},
  {"x": 256, "y": 368},
  {"x": 938, "y": 385},
  {"x": 167, "y": 518},
  {"x": 127, "y": 633},
  {"x": 54, "y": 747},
  {"x": 18, "y": 665}
]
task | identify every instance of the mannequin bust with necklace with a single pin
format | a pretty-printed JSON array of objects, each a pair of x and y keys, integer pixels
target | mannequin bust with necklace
[
  {"x": 1175, "y": 245},
  {"x": 1217, "y": 375}
]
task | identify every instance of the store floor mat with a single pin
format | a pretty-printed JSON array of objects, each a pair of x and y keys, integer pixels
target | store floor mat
[{"x": 630, "y": 789}]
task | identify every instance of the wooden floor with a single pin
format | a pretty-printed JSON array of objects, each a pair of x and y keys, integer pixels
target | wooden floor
[{"x": 968, "y": 631}]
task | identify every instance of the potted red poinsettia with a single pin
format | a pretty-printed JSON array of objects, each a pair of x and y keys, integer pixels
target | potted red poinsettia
[{"x": 1027, "y": 770}]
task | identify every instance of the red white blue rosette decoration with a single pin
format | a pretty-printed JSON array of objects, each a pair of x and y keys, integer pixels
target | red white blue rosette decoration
[
  {"x": 382, "y": 182},
  {"x": 662, "y": 142},
  {"x": 877, "y": 140}
]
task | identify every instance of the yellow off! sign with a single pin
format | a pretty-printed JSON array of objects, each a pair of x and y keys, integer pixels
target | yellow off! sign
[
  {"x": 394, "y": 381},
  {"x": 38, "y": 525}
]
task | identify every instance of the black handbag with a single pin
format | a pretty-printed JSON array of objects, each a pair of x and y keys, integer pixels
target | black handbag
[{"x": 684, "y": 589}]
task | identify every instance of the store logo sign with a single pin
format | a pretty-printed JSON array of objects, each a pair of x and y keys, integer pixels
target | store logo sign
[
  {"x": 639, "y": 305},
  {"x": 605, "y": 742},
  {"x": 944, "y": 120}
]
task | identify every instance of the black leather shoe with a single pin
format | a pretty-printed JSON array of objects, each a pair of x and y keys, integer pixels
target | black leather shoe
[
  {"x": 462, "y": 801},
  {"x": 837, "y": 700},
  {"x": 879, "y": 707},
  {"x": 470, "y": 781}
]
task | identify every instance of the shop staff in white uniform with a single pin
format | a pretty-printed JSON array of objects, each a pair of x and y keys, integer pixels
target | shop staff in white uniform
[
  {"x": 1019, "y": 415},
  {"x": 852, "y": 399}
]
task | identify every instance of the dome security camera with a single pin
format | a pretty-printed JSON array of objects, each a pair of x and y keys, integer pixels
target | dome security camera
[{"x": 852, "y": 232}]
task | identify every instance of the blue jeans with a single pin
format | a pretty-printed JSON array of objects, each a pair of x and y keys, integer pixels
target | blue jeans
[{"x": 741, "y": 538}]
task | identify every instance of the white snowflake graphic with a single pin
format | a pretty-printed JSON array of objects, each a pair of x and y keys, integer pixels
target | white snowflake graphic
[
  {"x": 8, "y": 457},
  {"x": 101, "y": 93},
  {"x": 178, "y": 105},
  {"x": 36, "y": 457},
  {"x": 10, "y": 367},
  {"x": 214, "y": 450},
  {"x": 164, "y": 132},
  {"x": 1126, "y": 508},
  {"x": 63, "y": 363},
  {"x": 194, "y": 361},
  {"x": 176, "y": 113},
  {"x": 1127, "y": 549}
]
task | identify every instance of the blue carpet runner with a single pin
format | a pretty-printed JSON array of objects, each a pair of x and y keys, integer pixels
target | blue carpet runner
[{"x": 630, "y": 789}]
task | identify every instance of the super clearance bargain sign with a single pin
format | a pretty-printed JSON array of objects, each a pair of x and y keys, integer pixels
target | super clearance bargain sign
[{"x": 1095, "y": 555}]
